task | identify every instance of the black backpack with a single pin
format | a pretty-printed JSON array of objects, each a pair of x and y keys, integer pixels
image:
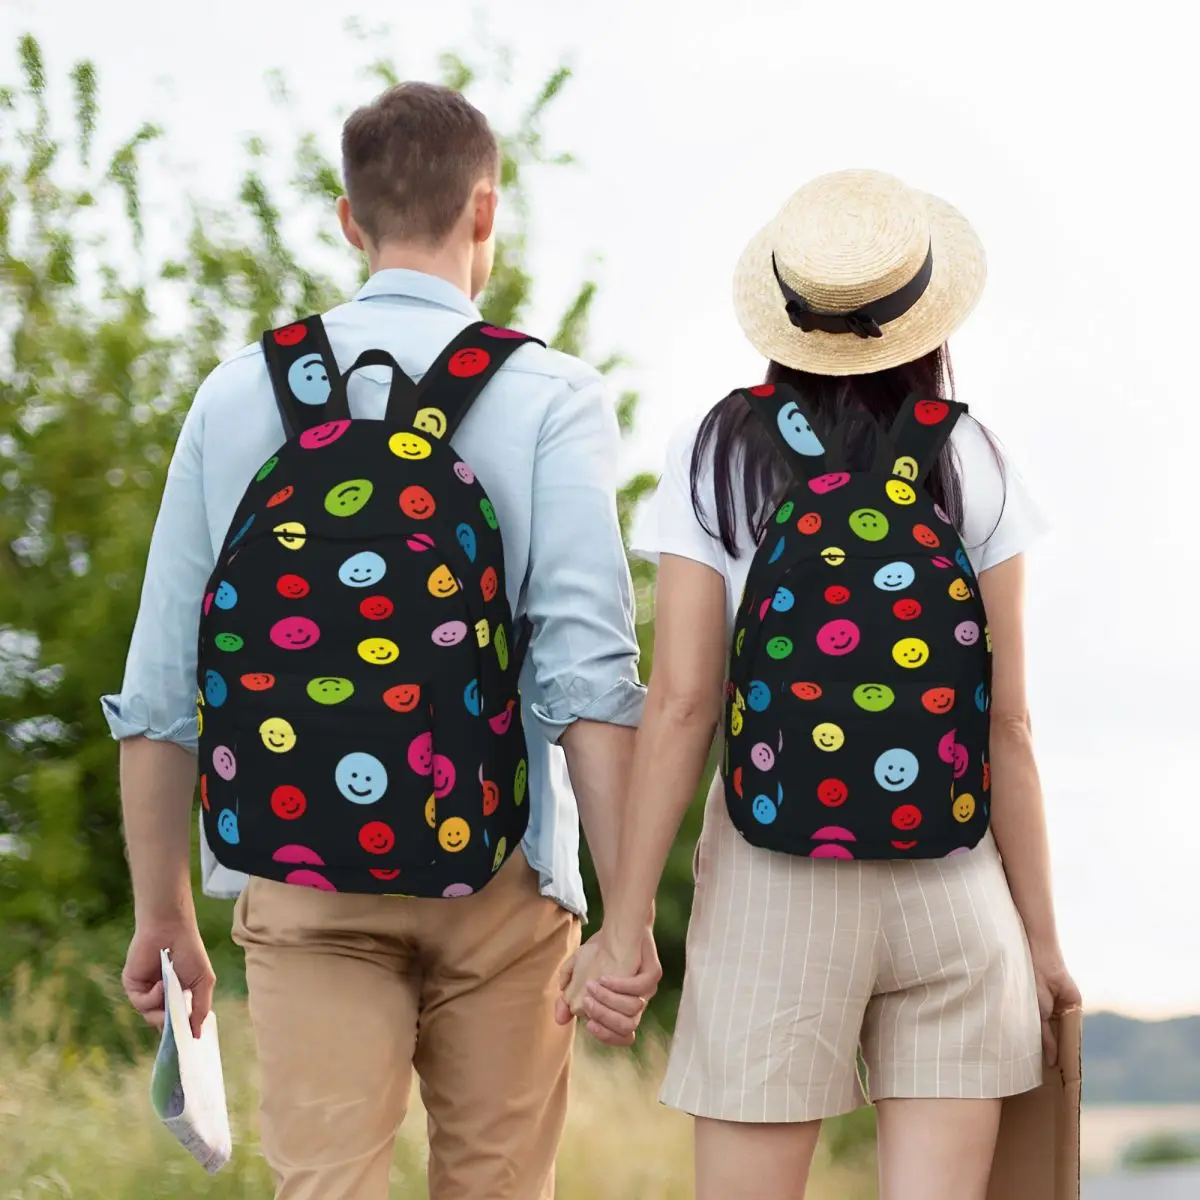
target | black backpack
[
  {"x": 860, "y": 671},
  {"x": 360, "y": 724}
]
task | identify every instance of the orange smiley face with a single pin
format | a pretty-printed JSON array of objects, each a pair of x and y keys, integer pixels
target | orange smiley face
[
  {"x": 491, "y": 797},
  {"x": 806, "y": 691},
  {"x": 938, "y": 700},
  {"x": 489, "y": 583},
  {"x": 402, "y": 698},
  {"x": 926, "y": 537},
  {"x": 809, "y": 523},
  {"x": 417, "y": 503},
  {"x": 258, "y": 681}
]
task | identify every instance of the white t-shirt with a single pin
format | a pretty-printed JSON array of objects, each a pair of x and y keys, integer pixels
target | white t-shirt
[{"x": 1000, "y": 518}]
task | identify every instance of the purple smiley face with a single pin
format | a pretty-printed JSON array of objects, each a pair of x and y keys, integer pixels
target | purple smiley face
[
  {"x": 449, "y": 633},
  {"x": 762, "y": 756},
  {"x": 457, "y": 890},
  {"x": 224, "y": 763},
  {"x": 966, "y": 633},
  {"x": 464, "y": 472}
]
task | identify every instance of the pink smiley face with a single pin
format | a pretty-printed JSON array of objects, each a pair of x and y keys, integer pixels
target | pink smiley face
[
  {"x": 306, "y": 878},
  {"x": 323, "y": 435},
  {"x": 420, "y": 542},
  {"x": 464, "y": 472},
  {"x": 941, "y": 562},
  {"x": 501, "y": 721},
  {"x": 762, "y": 612},
  {"x": 831, "y": 850},
  {"x": 837, "y": 637},
  {"x": 961, "y": 760},
  {"x": 828, "y": 483},
  {"x": 947, "y": 746},
  {"x": 496, "y": 332},
  {"x": 208, "y": 602},
  {"x": 833, "y": 833},
  {"x": 224, "y": 763},
  {"x": 443, "y": 776},
  {"x": 420, "y": 753},
  {"x": 298, "y": 856},
  {"x": 295, "y": 633},
  {"x": 762, "y": 756},
  {"x": 449, "y": 633}
]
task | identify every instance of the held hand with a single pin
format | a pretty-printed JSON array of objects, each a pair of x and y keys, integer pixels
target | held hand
[
  {"x": 609, "y": 990},
  {"x": 1056, "y": 993},
  {"x": 142, "y": 976}
]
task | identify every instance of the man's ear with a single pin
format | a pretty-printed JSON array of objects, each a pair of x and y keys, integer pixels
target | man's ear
[
  {"x": 487, "y": 197},
  {"x": 350, "y": 229}
]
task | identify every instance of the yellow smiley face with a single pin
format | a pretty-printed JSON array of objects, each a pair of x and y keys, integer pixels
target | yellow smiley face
[
  {"x": 741, "y": 637},
  {"x": 378, "y": 651},
  {"x": 411, "y": 446},
  {"x": 291, "y": 534},
  {"x": 277, "y": 735},
  {"x": 964, "y": 808},
  {"x": 959, "y": 590},
  {"x": 900, "y": 492},
  {"x": 828, "y": 736},
  {"x": 739, "y": 701},
  {"x": 834, "y": 555},
  {"x": 199, "y": 721},
  {"x": 454, "y": 834},
  {"x": 431, "y": 811},
  {"x": 442, "y": 583},
  {"x": 431, "y": 421},
  {"x": 735, "y": 721},
  {"x": 905, "y": 467},
  {"x": 482, "y": 634},
  {"x": 987, "y": 638},
  {"x": 910, "y": 652}
]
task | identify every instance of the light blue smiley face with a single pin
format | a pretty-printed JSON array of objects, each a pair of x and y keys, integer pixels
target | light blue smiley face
[
  {"x": 895, "y": 577},
  {"x": 981, "y": 698},
  {"x": 797, "y": 432},
  {"x": 226, "y": 596},
  {"x": 778, "y": 551},
  {"x": 783, "y": 600},
  {"x": 361, "y": 778},
  {"x": 471, "y": 698},
  {"x": 241, "y": 533},
  {"x": 964, "y": 563},
  {"x": 764, "y": 809},
  {"x": 896, "y": 770},
  {"x": 216, "y": 690},
  {"x": 227, "y": 826},
  {"x": 364, "y": 569},
  {"x": 466, "y": 539},
  {"x": 309, "y": 380},
  {"x": 758, "y": 696}
]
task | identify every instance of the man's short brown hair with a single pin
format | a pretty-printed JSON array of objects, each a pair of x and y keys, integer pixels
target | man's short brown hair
[{"x": 410, "y": 159}]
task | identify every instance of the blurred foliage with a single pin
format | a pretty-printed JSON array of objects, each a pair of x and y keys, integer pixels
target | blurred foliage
[
  {"x": 93, "y": 386},
  {"x": 1162, "y": 1149}
]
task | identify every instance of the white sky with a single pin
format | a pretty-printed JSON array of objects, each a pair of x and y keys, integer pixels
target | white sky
[{"x": 1068, "y": 139}]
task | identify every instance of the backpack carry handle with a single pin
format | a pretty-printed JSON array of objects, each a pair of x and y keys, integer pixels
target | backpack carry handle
[
  {"x": 309, "y": 389},
  {"x": 918, "y": 434},
  {"x": 804, "y": 442},
  {"x": 401, "y": 388}
]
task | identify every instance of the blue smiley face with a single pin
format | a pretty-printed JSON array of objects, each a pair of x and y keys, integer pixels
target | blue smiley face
[
  {"x": 758, "y": 696},
  {"x": 472, "y": 699},
  {"x": 226, "y": 596},
  {"x": 895, "y": 577},
  {"x": 364, "y": 569},
  {"x": 227, "y": 826},
  {"x": 964, "y": 563},
  {"x": 775, "y": 554},
  {"x": 309, "y": 380},
  {"x": 797, "y": 432},
  {"x": 896, "y": 770},
  {"x": 466, "y": 539},
  {"x": 216, "y": 690},
  {"x": 241, "y": 533},
  {"x": 783, "y": 601},
  {"x": 981, "y": 698},
  {"x": 765, "y": 809},
  {"x": 361, "y": 778}
]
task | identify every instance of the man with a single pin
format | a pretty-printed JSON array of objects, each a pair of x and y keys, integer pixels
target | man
[{"x": 348, "y": 993}]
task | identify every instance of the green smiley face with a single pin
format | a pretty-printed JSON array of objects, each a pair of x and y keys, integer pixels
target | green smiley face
[
  {"x": 874, "y": 697},
  {"x": 869, "y": 523},
  {"x": 348, "y": 498},
  {"x": 780, "y": 647},
  {"x": 228, "y": 642},
  {"x": 329, "y": 689},
  {"x": 489, "y": 513},
  {"x": 737, "y": 645},
  {"x": 519, "y": 782},
  {"x": 500, "y": 641},
  {"x": 267, "y": 468},
  {"x": 784, "y": 515}
]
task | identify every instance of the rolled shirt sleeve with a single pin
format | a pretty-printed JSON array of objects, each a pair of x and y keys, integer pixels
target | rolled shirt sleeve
[
  {"x": 579, "y": 595},
  {"x": 158, "y": 694}
]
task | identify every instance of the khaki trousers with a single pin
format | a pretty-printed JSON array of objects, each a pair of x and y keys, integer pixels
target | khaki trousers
[{"x": 350, "y": 993}]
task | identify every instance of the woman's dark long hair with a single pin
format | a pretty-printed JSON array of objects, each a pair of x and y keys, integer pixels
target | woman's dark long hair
[{"x": 744, "y": 456}]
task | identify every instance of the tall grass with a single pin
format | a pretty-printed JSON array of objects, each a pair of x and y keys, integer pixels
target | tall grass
[{"x": 76, "y": 1123}]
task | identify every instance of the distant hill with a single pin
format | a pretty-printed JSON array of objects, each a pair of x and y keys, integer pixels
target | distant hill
[{"x": 1140, "y": 1062}]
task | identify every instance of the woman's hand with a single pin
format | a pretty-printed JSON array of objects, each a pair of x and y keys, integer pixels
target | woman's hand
[
  {"x": 1056, "y": 993},
  {"x": 610, "y": 988}
]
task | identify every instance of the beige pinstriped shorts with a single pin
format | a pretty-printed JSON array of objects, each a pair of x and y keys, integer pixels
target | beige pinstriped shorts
[{"x": 793, "y": 964}]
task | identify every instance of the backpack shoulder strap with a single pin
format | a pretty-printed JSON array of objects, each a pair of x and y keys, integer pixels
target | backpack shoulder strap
[
  {"x": 448, "y": 389},
  {"x": 795, "y": 430},
  {"x": 918, "y": 434},
  {"x": 304, "y": 376}
]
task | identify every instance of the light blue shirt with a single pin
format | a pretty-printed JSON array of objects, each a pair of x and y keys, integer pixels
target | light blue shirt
[{"x": 543, "y": 440}]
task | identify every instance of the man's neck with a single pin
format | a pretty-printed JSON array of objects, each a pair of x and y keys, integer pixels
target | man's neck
[{"x": 448, "y": 263}]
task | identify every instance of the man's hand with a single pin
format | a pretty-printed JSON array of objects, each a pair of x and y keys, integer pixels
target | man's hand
[
  {"x": 609, "y": 990},
  {"x": 142, "y": 977}
]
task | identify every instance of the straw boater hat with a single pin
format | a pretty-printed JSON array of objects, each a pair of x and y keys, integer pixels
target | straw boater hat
[{"x": 857, "y": 273}]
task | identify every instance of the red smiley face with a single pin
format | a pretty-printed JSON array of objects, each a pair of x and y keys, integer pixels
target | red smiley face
[
  {"x": 926, "y": 537},
  {"x": 292, "y": 587},
  {"x": 832, "y": 792},
  {"x": 904, "y": 845},
  {"x": 402, "y": 698},
  {"x": 987, "y": 776},
  {"x": 466, "y": 363},
  {"x": 907, "y": 609},
  {"x": 938, "y": 700},
  {"x": 382, "y": 873},
  {"x": 288, "y": 802},
  {"x": 930, "y": 412},
  {"x": 204, "y": 790},
  {"x": 290, "y": 335},
  {"x": 489, "y": 583},
  {"x": 281, "y": 495},
  {"x": 376, "y": 837},
  {"x": 376, "y": 608},
  {"x": 258, "y": 681},
  {"x": 417, "y": 503},
  {"x": 491, "y": 797},
  {"x": 809, "y": 523},
  {"x": 806, "y": 691},
  {"x": 737, "y": 781},
  {"x": 837, "y": 594},
  {"x": 763, "y": 389},
  {"x": 906, "y": 817}
]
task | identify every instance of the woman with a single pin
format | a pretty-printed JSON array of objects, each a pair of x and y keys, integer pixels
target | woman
[{"x": 938, "y": 968}]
